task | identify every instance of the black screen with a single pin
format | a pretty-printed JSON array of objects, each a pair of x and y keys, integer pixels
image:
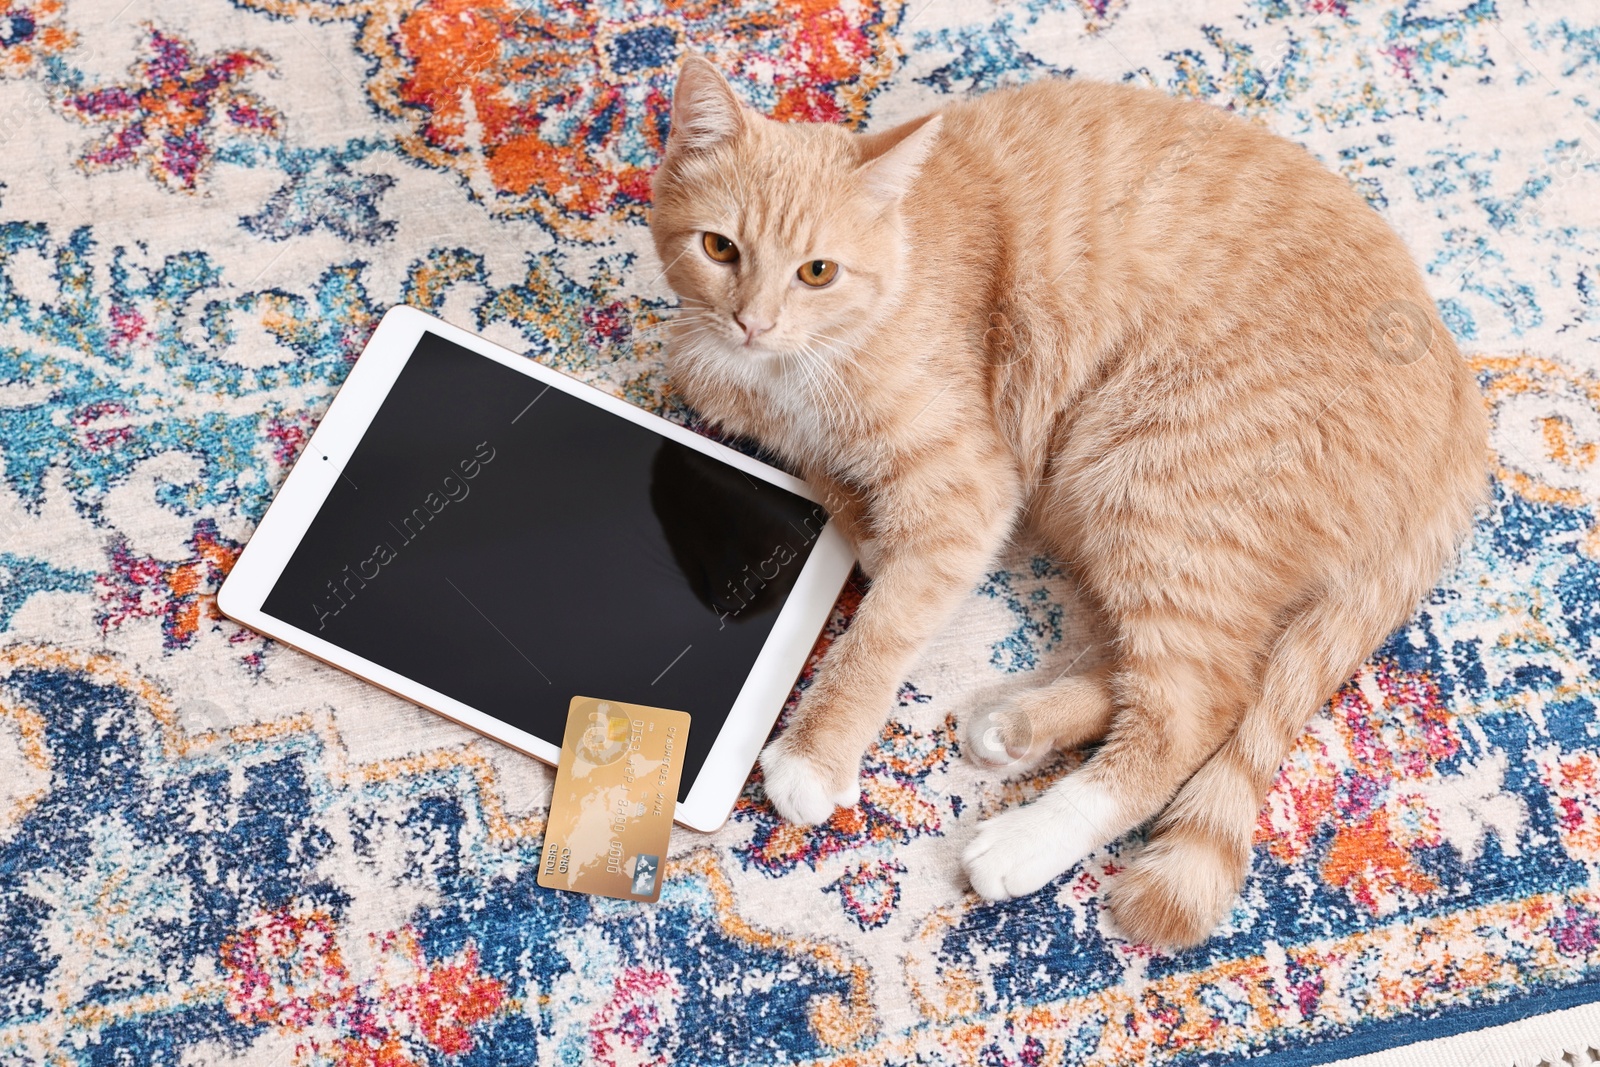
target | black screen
[{"x": 512, "y": 546}]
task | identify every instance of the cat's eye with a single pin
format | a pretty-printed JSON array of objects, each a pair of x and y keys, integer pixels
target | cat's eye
[
  {"x": 719, "y": 247},
  {"x": 818, "y": 272}
]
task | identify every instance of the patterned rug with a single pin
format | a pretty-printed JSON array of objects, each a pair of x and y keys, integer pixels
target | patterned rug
[{"x": 214, "y": 850}]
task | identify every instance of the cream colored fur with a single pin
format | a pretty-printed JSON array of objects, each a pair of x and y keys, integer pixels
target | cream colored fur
[{"x": 1162, "y": 341}]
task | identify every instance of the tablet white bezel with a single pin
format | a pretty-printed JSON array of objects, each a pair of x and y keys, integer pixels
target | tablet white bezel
[{"x": 716, "y": 788}]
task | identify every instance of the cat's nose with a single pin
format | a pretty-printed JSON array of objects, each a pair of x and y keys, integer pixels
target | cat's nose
[{"x": 753, "y": 327}]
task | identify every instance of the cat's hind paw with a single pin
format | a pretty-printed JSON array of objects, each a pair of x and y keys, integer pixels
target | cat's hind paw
[
  {"x": 1175, "y": 893},
  {"x": 1022, "y": 850},
  {"x": 1000, "y": 737},
  {"x": 799, "y": 789},
  {"x": 1006, "y": 859}
]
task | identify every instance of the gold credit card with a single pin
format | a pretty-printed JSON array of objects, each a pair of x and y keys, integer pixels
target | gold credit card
[{"x": 616, "y": 790}]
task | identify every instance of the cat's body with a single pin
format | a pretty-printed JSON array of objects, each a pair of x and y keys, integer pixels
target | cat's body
[{"x": 1162, "y": 341}]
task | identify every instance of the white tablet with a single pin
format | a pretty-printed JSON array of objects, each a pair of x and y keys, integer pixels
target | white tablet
[{"x": 489, "y": 538}]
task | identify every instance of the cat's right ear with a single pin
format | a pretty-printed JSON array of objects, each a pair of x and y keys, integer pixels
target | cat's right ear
[{"x": 705, "y": 113}]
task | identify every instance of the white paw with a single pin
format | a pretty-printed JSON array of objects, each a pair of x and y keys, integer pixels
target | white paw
[
  {"x": 1020, "y": 851},
  {"x": 1000, "y": 737},
  {"x": 798, "y": 789}
]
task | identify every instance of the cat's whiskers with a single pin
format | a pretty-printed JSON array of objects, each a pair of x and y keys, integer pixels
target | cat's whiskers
[
  {"x": 685, "y": 312},
  {"x": 685, "y": 304},
  {"x": 668, "y": 266},
  {"x": 700, "y": 354},
  {"x": 651, "y": 318},
  {"x": 838, "y": 350},
  {"x": 702, "y": 340},
  {"x": 838, "y": 347},
  {"x": 663, "y": 331},
  {"x": 692, "y": 336},
  {"x": 661, "y": 324},
  {"x": 830, "y": 388},
  {"x": 834, "y": 402},
  {"x": 810, "y": 386}
]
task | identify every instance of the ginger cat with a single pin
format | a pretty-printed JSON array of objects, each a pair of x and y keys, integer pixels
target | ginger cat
[{"x": 1165, "y": 343}]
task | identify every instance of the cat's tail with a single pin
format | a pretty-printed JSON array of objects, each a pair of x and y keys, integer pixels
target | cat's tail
[{"x": 1181, "y": 886}]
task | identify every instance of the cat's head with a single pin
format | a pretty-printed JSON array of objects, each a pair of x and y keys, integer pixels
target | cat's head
[{"x": 780, "y": 238}]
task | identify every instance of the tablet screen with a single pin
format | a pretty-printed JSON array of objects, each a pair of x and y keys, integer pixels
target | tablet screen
[{"x": 512, "y": 546}]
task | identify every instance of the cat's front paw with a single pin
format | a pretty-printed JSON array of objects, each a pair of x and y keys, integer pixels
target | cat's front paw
[{"x": 804, "y": 792}]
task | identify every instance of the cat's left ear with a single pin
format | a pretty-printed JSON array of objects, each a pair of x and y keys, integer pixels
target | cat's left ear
[{"x": 895, "y": 157}]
